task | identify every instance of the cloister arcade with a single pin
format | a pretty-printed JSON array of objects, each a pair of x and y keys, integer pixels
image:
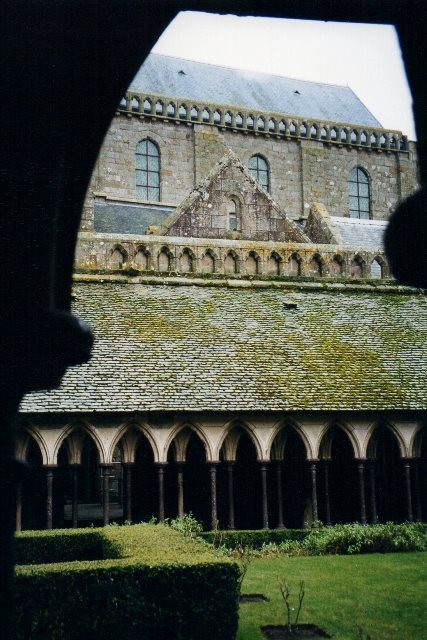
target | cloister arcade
[{"x": 236, "y": 474}]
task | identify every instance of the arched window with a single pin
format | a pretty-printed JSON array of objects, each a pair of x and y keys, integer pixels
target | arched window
[
  {"x": 358, "y": 193},
  {"x": 258, "y": 168},
  {"x": 147, "y": 170},
  {"x": 233, "y": 215}
]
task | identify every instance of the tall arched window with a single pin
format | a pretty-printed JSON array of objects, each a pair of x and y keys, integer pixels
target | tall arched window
[
  {"x": 258, "y": 167},
  {"x": 147, "y": 170},
  {"x": 358, "y": 193}
]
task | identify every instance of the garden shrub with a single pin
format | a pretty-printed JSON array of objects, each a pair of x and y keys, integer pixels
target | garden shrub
[
  {"x": 253, "y": 538},
  {"x": 357, "y": 538},
  {"x": 160, "y": 585}
]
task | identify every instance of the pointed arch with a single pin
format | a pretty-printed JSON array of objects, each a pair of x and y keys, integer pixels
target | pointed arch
[
  {"x": 372, "y": 438},
  {"x": 118, "y": 257},
  {"x": 194, "y": 427},
  {"x": 39, "y": 441},
  {"x": 128, "y": 429},
  {"x": 274, "y": 264},
  {"x": 326, "y": 437},
  {"x": 274, "y": 447},
  {"x": 88, "y": 430},
  {"x": 248, "y": 429}
]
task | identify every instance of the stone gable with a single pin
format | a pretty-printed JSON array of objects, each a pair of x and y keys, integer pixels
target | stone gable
[{"x": 230, "y": 189}]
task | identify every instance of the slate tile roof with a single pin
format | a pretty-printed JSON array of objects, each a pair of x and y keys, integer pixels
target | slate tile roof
[
  {"x": 170, "y": 76},
  {"x": 120, "y": 217},
  {"x": 368, "y": 234},
  {"x": 190, "y": 348}
]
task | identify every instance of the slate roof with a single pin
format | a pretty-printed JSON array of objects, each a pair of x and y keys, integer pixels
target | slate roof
[
  {"x": 218, "y": 348},
  {"x": 202, "y": 82},
  {"x": 119, "y": 217},
  {"x": 368, "y": 234}
]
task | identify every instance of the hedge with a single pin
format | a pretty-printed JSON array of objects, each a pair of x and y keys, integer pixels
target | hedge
[
  {"x": 253, "y": 538},
  {"x": 45, "y": 547},
  {"x": 158, "y": 586}
]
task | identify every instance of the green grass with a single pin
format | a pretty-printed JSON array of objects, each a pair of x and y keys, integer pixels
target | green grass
[{"x": 383, "y": 594}]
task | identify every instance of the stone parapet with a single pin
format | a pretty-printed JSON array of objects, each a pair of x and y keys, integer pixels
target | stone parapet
[
  {"x": 102, "y": 252},
  {"x": 260, "y": 123}
]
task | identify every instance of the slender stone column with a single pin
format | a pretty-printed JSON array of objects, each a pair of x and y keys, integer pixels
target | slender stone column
[
  {"x": 127, "y": 468},
  {"x": 327, "y": 493},
  {"x": 418, "y": 507},
  {"x": 49, "y": 497},
  {"x": 75, "y": 495},
  {"x": 18, "y": 495},
  {"x": 161, "y": 483},
  {"x": 230, "y": 483},
  {"x": 408, "y": 494},
  {"x": 280, "y": 523},
  {"x": 264, "y": 495},
  {"x": 106, "y": 474},
  {"x": 313, "y": 474},
  {"x": 214, "y": 514},
  {"x": 180, "y": 487},
  {"x": 373, "y": 492},
  {"x": 361, "y": 471}
]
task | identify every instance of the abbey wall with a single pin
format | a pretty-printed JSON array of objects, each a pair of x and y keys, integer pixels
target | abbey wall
[{"x": 303, "y": 168}]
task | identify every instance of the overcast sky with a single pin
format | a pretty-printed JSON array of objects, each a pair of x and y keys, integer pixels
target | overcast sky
[{"x": 365, "y": 57}]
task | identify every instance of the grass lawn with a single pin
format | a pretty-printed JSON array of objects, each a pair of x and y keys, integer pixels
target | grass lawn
[{"x": 383, "y": 593}]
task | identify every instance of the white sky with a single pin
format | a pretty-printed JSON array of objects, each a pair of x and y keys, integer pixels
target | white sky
[{"x": 366, "y": 57}]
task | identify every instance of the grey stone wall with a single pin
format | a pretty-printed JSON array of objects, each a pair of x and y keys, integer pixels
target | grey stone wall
[{"x": 302, "y": 171}]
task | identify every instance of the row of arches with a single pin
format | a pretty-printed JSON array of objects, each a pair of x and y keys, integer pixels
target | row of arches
[
  {"x": 185, "y": 260},
  {"x": 261, "y": 123},
  {"x": 237, "y": 490}
]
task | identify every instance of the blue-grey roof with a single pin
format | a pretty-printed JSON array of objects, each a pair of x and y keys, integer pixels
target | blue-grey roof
[
  {"x": 368, "y": 234},
  {"x": 119, "y": 217},
  {"x": 264, "y": 92},
  {"x": 195, "y": 348}
]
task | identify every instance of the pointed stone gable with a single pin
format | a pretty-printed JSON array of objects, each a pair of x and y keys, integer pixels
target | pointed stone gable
[{"x": 230, "y": 191}]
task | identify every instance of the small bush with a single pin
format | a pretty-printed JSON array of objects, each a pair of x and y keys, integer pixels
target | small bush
[{"x": 187, "y": 525}]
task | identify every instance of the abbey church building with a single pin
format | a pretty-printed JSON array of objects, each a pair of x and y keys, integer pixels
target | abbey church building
[{"x": 255, "y": 362}]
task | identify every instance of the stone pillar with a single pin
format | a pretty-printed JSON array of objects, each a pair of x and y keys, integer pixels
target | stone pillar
[
  {"x": 361, "y": 472},
  {"x": 161, "y": 484},
  {"x": 75, "y": 495},
  {"x": 230, "y": 487},
  {"x": 180, "y": 487},
  {"x": 408, "y": 494},
  {"x": 105, "y": 474},
  {"x": 373, "y": 492},
  {"x": 327, "y": 493},
  {"x": 49, "y": 497},
  {"x": 264, "y": 495},
  {"x": 280, "y": 523},
  {"x": 18, "y": 497},
  {"x": 127, "y": 468},
  {"x": 313, "y": 474},
  {"x": 214, "y": 514},
  {"x": 418, "y": 507}
]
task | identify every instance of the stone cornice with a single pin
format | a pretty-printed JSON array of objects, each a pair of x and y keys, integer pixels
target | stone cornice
[{"x": 269, "y": 124}]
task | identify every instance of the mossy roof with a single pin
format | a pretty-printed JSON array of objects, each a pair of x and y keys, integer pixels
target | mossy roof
[{"x": 189, "y": 348}]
